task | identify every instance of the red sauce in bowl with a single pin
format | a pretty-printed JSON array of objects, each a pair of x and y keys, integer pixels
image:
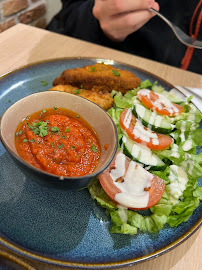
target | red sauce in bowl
[{"x": 58, "y": 141}]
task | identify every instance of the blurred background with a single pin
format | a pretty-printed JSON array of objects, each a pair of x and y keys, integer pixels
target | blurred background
[{"x": 33, "y": 12}]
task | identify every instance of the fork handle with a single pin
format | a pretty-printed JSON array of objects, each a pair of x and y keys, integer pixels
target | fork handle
[{"x": 161, "y": 16}]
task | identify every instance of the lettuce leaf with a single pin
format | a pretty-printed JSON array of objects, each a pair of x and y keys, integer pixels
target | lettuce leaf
[
  {"x": 198, "y": 193},
  {"x": 122, "y": 102},
  {"x": 182, "y": 211},
  {"x": 98, "y": 194},
  {"x": 193, "y": 165},
  {"x": 190, "y": 200},
  {"x": 196, "y": 136}
]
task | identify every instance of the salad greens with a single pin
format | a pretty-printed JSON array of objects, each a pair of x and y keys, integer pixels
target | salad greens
[{"x": 182, "y": 194}]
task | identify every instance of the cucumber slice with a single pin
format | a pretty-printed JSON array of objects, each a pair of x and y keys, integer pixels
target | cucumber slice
[
  {"x": 152, "y": 120},
  {"x": 173, "y": 95},
  {"x": 173, "y": 98},
  {"x": 142, "y": 154}
]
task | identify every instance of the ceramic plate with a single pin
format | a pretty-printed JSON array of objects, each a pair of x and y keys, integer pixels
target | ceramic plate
[{"x": 62, "y": 227}]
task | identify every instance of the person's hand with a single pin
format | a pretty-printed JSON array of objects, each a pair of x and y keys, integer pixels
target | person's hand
[{"x": 120, "y": 18}]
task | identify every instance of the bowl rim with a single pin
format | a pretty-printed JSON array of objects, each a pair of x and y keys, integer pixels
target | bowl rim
[{"x": 57, "y": 177}]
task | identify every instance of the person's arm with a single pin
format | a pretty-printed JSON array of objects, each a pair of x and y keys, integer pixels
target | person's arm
[{"x": 76, "y": 19}]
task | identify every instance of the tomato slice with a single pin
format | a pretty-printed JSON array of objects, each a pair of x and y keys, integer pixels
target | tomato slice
[
  {"x": 140, "y": 134},
  {"x": 159, "y": 103},
  {"x": 122, "y": 189}
]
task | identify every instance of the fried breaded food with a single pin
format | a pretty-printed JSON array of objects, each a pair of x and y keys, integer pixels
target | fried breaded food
[
  {"x": 104, "y": 100},
  {"x": 99, "y": 77}
]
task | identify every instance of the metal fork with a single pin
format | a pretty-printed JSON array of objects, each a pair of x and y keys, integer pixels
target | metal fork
[{"x": 182, "y": 37}]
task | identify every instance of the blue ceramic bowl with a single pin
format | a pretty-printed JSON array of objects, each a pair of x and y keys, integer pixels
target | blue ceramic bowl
[{"x": 98, "y": 119}]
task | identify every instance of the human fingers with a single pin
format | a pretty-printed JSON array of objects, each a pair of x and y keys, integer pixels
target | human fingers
[
  {"x": 118, "y": 27},
  {"x": 104, "y": 8}
]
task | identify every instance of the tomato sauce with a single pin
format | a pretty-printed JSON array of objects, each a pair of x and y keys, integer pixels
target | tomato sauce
[{"x": 58, "y": 141}]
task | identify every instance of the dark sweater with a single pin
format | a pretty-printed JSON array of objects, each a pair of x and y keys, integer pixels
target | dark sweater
[{"x": 155, "y": 40}]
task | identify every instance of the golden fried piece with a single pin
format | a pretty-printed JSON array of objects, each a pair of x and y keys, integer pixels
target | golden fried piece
[
  {"x": 99, "y": 77},
  {"x": 104, "y": 100}
]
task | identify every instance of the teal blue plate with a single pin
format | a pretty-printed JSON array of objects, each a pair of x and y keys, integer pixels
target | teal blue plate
[{"x": 62, "y": 227}]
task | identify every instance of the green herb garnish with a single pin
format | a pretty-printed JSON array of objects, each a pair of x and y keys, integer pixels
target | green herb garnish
[
  {"x": 93, "y": 69},
  {"x": 32, "y": 140},
  {"x": 43, "y": 129},
  {"x": 55, "y": 108},
  {"x": 67, "y": 129},
  {"x": 94, "y": 149},
  {"x": 115, "y": 72},
  {"x": 60, "y": 146},
  {"x": 36, "y": 131},
  {"x": 24, "y": 140},
  {"x": 44, "y": 83},
  {"x": 39, "y": 128},
  {"x": 77, "y": 116},
  {"x": 18, "y": 133},
  {"x": 55, "y": 129},
  {"x": 30, "y": 127},
  {"x": 77, "y": 92}
]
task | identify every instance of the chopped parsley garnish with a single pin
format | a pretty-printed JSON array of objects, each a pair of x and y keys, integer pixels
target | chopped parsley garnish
[
  {"x": 18, "y": 133},
  {"x": 36, "y": 131},
  {"x": 32, "y": 140},
  {"x": 39, "y": 128},
  {"x": 82, "y": 86},
  {"x": 30, "y": 127},
  {"x": 24, "y": 140},
  {"x": 55, "y": 108},
  {"x": 115, "y": 72},
  {"x": 60, "y": 145},
  {"x": 44, "y": 111},
  {"x": 77, "y": 116},
  {"x": 93, "y": 69},
  {"x": 52, "y": 144},
  {"x": 55, "y": 129},
  {"x": 94, "y": 149},
  {"x": 77, "y": 92},
  {"x": 73, "y": 147},
  {"x": 63, "y": 137},
  {"x": 44, "y": 83},
  {"x": 67, "y": 129},
  {"x": 43, "y": 129},
  {"x": 36, "y": 124}
]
